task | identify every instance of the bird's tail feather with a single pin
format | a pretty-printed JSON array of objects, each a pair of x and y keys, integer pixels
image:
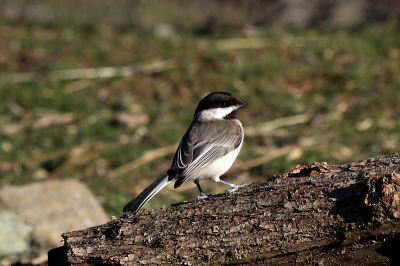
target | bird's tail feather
[{"x": 138, "y": 202}]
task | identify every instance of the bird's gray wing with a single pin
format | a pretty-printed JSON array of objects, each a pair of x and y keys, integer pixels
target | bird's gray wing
[{"x": 205, "y": 144}]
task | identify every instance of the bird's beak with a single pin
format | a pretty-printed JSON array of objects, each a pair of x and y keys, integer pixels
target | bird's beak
[{"x": 241, "y": 104}]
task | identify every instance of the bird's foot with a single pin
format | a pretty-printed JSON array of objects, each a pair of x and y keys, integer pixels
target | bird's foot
[
  {"x": 203, "y": 196},
  {"x": 233, "y": 188}
]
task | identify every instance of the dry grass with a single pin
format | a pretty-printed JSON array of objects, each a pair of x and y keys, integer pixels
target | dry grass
[{"x": 313, "y": 95}]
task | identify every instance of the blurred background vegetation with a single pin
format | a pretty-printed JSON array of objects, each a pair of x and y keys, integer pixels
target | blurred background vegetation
[{"x": 102, "y": 91}]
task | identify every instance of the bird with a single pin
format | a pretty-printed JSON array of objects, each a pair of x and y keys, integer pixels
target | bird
[{"x": 207, "y": 150}]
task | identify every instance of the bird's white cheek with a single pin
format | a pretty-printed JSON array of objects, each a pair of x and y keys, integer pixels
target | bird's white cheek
[{"x": 216, "y": 113}]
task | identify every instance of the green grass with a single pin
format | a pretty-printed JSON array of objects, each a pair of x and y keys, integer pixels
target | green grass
[{"x": 348, "y": 80}]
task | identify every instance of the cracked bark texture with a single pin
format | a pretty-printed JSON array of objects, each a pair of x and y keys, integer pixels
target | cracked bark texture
[{"x": 319, "y": 214}]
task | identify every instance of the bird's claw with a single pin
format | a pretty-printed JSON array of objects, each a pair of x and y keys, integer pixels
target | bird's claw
[
  {"x": 234, "y": 188},
  {"x": 203, "y": 196}
]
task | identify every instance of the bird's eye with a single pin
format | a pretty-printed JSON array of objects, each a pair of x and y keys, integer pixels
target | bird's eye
[{"x": 224, "y": 104}]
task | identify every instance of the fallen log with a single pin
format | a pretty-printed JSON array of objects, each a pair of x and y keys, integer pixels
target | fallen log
[{"x": 319, "y": 214}]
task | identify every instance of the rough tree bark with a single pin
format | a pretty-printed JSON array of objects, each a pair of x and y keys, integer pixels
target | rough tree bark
[{"x": 320, "y": 215}]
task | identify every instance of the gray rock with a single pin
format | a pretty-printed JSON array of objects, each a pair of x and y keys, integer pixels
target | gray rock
[
  {"x": 52, "y": 208},
  {"x": 15, "y": 238}
]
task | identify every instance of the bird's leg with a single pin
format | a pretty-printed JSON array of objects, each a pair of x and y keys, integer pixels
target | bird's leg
[
  {"x": 202, "y": 194},
  {"x": 233, "y": 188}
]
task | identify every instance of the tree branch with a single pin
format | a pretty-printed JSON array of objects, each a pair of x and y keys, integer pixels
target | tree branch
[{"x": 313, "y": 214}]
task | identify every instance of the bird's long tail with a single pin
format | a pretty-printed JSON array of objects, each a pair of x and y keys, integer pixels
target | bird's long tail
[{"x": 138, "y": 202}]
